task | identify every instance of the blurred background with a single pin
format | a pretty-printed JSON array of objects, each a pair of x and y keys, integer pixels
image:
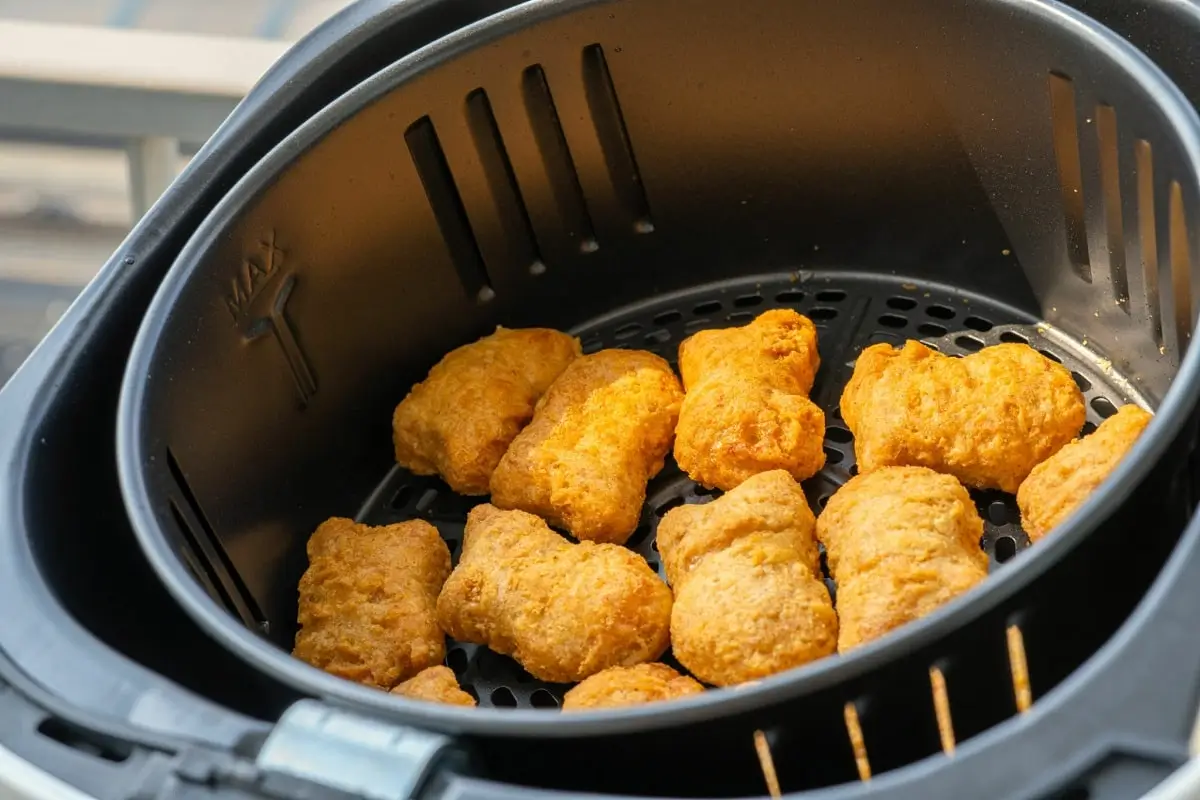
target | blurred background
[{"x": 101, "y": 104}]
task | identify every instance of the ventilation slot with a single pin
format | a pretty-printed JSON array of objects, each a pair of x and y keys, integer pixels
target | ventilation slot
[
  {"x": 1147, "y": 235},
  {"x": 941, "y": 710},
  {"x": 560, "y": 167},
  {"x": 1070, "y": 177},
  {"x": 766, "y": 762},
  {"x": 1019, "y": 668},
  {"x": 614, "y": 138},
  {"x": 197, "y": 565},
  {"x": 1110, "y": 186},
  {"x": 502, "y": 179},
  {"x": 858, "y": 744},
  {"x": 209, "y": 558},
  {"x": 448, "y": 209},
  {"x": 1181, "y": 268},
  {"x": 84, "y": 741}
]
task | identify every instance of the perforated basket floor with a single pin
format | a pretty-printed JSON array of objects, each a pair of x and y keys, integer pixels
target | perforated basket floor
[{"x": 850, "y": 312}]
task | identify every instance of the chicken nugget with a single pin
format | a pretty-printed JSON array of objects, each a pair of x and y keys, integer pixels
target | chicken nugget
[
  {"x": 987, "y": 419},
  {"x": 599, "y": 434},
  {"x": 1058, "y": 485},
  {"x": 564, "y": 611},
  {"x": 747, "y": 409},
  {"x": 458, "y": 422},
  {"x": 745, "y": 568},
  {"x": 899, "y": 541},
  {"x": 630, "y": 686},
  {"x": 437, "y": 685},
  {"x": 367, "y": 601}
]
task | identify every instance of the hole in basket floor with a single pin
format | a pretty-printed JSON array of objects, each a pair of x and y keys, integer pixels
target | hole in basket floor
[
  {"x": 457, "y": 660},
  {"x": 1006, "y": 548}
]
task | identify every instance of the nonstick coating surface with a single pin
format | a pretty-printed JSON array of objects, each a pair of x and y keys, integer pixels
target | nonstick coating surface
[
  {"x": 219, "y": 425},
  {"x": 851, "y": 312}
]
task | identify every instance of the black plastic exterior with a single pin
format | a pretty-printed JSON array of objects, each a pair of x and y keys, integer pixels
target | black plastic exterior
[{"x": 1121, "y": 702}]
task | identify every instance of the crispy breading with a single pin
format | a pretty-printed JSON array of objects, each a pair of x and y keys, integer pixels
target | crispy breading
[
  {"x": 458, "y": 422},
  {"x": 899, "y": 542},
  {"x": 988, "y": 419},
  {"x": 437, "y": 685},
  {"x": 1058, "y": 485},
  {"x": 367, "y": 600},
  {"x": 745, "y": 568},
  {"x": 599, "y": 434},
  {"x": 747, "y": 409},
  {"x": 630, "y": 686},
  {"x": 564, "y": 611}
]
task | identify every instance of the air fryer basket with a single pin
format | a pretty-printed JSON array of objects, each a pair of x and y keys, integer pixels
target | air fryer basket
[{"x": 963, "y": 172}]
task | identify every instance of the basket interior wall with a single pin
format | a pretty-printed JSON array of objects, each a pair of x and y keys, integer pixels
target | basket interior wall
[{"x": 625, "y": 150}]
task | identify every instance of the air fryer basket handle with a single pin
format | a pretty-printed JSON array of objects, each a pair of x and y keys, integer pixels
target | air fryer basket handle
[{"x": 315, "y": 745}]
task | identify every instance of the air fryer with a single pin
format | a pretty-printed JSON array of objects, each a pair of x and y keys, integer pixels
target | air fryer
[
  {"x": 967, "y": 173},
  {"x": 1097, "y": 724}
]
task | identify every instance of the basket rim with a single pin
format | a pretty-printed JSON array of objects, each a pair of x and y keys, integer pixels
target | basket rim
[{"x": 145, "y": 510}]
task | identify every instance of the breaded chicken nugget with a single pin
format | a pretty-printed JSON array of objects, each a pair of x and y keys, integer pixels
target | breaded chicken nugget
[
  {"x": 367, "y": 601},
  {"x": 458, "y": 422},
  {"x": 599, "y": 434},
  {"x": 900, "y": 542},
  {"x": 630, "y": 686},
  {"x": 563, "y": 611},
  {"x": 1058, "y": 485},
  {"x": 987, "y": 419},
  {"x": 749, "y": 598},
  {"x": 747, "y": 409},
  {"x": 437, "y": 685}
]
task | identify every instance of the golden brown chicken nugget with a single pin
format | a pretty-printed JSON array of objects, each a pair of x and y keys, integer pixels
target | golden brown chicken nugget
[
  {"x": 745, "y": 568},
  {"x": 367, "y": 601},
  {"x": 747, "y": 409},
  {"x": 564, "y": 611},
  {"x": 630, "y": 686},
  {"x": 987, "y": 419},
  {"x": 899, "y": 541},
  {"x": 437, "y": 685},
  {"x": 458, "y": 422},
  {"x": 599, "y": 434},
  {"x": 1058, "y": 485}
]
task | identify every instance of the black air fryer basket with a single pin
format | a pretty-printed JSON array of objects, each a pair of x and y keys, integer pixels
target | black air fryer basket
[{"x": 961, "y": 172}]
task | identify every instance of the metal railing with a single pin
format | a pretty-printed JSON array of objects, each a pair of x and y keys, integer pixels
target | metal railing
[
  {"x": 98, "y": 95},
  {"x": 152, "y": 94}
]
